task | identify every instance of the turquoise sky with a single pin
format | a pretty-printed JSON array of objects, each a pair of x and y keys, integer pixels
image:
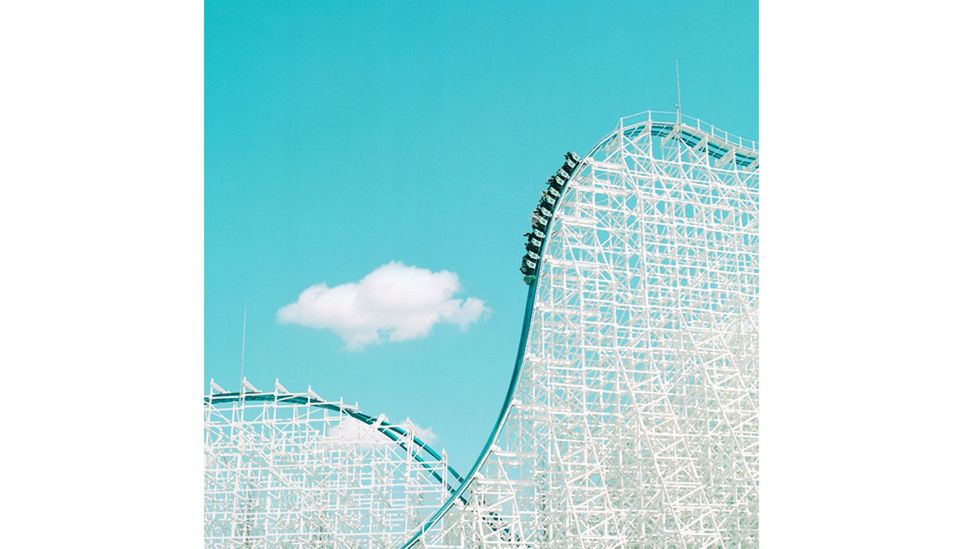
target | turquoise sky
[{"x": 342, "y": 136}]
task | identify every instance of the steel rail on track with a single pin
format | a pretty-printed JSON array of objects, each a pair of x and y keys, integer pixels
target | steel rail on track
[
  {"x": 392, "y": 432},
  {"x": 716, "y": 147}
]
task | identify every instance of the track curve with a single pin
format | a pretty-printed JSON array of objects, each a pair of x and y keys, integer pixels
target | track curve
[{"x": 393, "y": 432}]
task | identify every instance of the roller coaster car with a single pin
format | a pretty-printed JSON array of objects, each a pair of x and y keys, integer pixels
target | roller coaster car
[
  {"x": 570, "y": 163},
  {"x": 539, "y": 223},
  {"x": 546, "y": 199},
  {"x": 553, "y": 192},
  {"x": 563, "y": 174},
  {"x": 532, "y": 248},
  {"x": 572, "y": 157},
  {"x": 534, "y": 241},
  {"x": 536, "y": 233},
  {"x": 526, "y": 270},
  {"x": 532, "y": 255},
  {"x": 529, "y": 262},
  {"x": 556, "y": 184}
]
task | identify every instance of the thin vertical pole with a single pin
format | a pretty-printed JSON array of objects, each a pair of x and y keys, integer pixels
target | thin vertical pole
[
  {"x": 677, "y": 79},
  {"x": 243, "y": 340}
]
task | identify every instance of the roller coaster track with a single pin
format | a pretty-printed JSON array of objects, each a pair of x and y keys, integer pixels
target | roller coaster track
[
  {"x": 419, "y": 450},
  {"x": 722, "y": 147}
]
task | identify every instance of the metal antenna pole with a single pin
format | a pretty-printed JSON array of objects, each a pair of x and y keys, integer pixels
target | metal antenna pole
[
  {"x": 243, "y": 340},
  {"x": 677, "y": 78}
]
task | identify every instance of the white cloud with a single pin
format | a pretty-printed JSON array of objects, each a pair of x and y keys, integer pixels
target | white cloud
[
  {"x": 394, "y": 302},
  {"x": 352, "y": 431},
  {"x": 356, "y": 432},
  {"x": 423, "y": 433}
]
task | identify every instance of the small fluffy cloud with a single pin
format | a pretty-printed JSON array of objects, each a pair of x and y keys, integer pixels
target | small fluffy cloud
[
  {"x": 395, "y": 302},
  {"x": 423, "y": 433},
  {"x": 353, "y": 431}
]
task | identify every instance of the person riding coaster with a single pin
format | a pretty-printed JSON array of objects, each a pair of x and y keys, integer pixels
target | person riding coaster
[
  {"x": 572, "y": 159},
  {"x": 555, "y": 183}
]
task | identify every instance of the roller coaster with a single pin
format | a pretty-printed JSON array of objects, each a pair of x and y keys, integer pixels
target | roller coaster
[{"x": 631, "y": 416}]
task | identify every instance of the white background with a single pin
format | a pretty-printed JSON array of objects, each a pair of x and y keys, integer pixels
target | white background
[{"x": 867, "y": 133}]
